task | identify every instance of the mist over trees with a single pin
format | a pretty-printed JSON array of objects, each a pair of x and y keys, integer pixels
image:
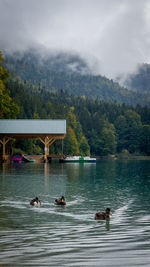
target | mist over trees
[
  {"x": 140, "y": 81},
  {"x": 94, "y": 126},
  {"x": 70, "y": 73}
]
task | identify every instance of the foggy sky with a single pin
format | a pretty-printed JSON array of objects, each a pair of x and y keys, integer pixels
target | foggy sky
[{"x": 112, "y": 36}]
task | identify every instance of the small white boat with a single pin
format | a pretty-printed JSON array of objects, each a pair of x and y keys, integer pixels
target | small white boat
[{"x": 79, "y": 159}]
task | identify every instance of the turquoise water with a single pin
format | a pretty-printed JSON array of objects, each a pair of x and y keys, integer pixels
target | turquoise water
[{"x": 69, "y": 236}]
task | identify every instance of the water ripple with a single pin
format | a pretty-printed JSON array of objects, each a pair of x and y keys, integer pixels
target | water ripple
[{"x": 69, "y": 236}]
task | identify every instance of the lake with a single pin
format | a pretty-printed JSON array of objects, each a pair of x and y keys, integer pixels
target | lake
[{"x": 69, "y": 236}]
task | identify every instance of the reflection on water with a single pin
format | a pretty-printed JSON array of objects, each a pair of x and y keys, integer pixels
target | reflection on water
[{"x": 69, "y": 236}]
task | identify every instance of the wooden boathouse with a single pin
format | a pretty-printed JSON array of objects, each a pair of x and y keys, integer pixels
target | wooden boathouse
[{"x": 47, "y": 131}]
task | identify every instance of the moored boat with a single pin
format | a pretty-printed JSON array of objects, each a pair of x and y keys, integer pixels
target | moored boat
[
  {"x": 17, "y": 157},
  {"x": 79, "y": 159}
]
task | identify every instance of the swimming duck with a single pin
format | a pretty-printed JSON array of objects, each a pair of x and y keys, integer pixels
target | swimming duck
[
  {"x": 103, "y": 215},
  {"x": 60, "y": 201},
  {"x": 35, "y": 202}
]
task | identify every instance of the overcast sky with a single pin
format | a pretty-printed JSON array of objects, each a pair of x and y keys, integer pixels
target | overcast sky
[{"x": 113, "y": 36}]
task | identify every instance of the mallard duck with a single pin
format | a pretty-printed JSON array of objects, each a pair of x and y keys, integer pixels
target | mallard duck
[
  {"x": 35, "y": 202},
  {"x": 60, "y": 201},
  {"x": 103, "y": 215}
]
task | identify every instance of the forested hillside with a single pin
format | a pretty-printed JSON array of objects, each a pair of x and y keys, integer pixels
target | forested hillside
[
  {"x": 94, "y": 126},
  {"x": 140, "y": 81},
  {"x": 70, "y": 74}
]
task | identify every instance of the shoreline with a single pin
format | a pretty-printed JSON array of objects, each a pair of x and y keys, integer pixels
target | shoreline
[{"x": 121, "y": 157}]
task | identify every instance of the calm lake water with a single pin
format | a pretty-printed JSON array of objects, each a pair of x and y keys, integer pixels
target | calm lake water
[{"x": 69, "y": 236}]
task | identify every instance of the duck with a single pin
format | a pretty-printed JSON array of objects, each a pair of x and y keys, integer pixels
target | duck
[
  {"x": 35, "y": 202},
  {"x": 103, "y": 215},
  {"x": 60, "y": 201}
]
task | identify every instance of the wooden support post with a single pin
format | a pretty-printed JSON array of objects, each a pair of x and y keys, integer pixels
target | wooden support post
[
  {"x": 4, "y": 142},
  {"x": 4, "y": 152},
  {"x": 46, "y": 150},
  {"x": 47, "y": 141}
]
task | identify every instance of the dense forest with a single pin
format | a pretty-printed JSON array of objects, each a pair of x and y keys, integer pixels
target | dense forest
[
  {"x": 94, "y": 126},
  {"x": 140, "y": 81},
  {"x": 71, "y": 74}
]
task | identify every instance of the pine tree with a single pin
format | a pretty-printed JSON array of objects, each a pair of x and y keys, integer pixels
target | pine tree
[{"x": 8, "y": 109}]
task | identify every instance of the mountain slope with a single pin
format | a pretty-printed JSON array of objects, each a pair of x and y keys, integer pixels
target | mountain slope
[
  {"x": 140, "y": 81},
  {"x": 69, "y": 73}
]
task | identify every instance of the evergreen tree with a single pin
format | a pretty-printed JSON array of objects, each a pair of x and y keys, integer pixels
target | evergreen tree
[
  {"x": 108, "y": 141},
  {"x": 145, "y": 139},
  {"x": 8, "y": 109},
  {"x": 128, "y": 128},
  {"x": 71, "y": 145}
]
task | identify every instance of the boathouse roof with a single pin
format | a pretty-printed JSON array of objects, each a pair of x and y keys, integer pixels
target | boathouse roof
[{"x": 27, "y": 127}]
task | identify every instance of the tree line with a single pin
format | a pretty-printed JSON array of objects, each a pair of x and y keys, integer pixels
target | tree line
[
  {"x": 54, "y": 74},
  {"x": 94, "y": 126}
]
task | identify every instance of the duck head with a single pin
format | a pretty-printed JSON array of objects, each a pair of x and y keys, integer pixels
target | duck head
[
  {"x": 108, "y": 212},
  {"x": 62, "y": 199}
]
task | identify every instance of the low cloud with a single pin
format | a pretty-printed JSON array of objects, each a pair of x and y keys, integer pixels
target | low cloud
[{"x": 113, "y": 37}]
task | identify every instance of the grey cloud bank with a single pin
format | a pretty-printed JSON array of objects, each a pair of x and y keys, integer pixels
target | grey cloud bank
[{"x": 112, "y": 36}]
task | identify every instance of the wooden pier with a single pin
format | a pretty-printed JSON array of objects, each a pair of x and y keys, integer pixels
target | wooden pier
[{"x": 47, "y": 131}]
